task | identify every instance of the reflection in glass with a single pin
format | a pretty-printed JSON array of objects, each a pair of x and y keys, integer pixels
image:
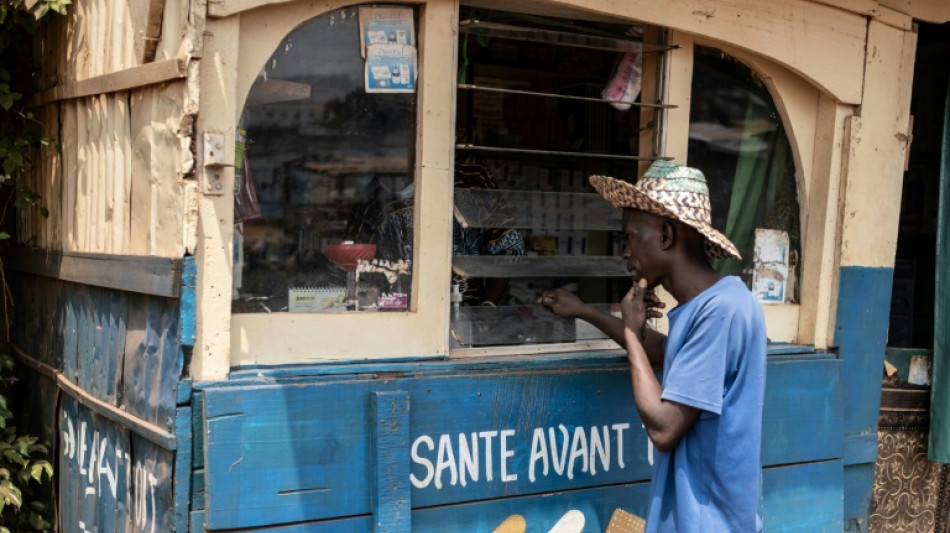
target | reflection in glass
[
  {"x": 324, "y": 189},
  {"x": 737, "y": 139}
]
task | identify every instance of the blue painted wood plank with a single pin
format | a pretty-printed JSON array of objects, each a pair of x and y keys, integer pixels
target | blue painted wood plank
[
  {"x": 243, "y": 376},
  {"x": 274, "y": 440},
  {"x": 67, "y": 472},
  {"x": 136, "y": 357},
  {"x": 98, "y": 356},
  {"x": 187, "y": 312},
  {"x": 858, "y": 495},
  {"x": 781, "y": 348},
  {"x": 182, "y": 482},
  {"x": 83, "y": 363},
  {"x": 860, "y": 449},
  {"x": 88, "y": 483},
  {"x": 165, "y": 385},
  {"x": 287, "y": 440},
  {"x": 864, "y": 302},
  {"x": 124, "y": 512},
  {"x": 184, "y": 392},
  {"x": 153, "y": 501},
  {"x": 804, "y": 411},
  {"x": 113, "y": 347},
  {"x": 390, "y": 470},
  {"x": 197, "y": 431},
  {"x": 151, "y": 360},
  {"x": 803, "y": 498},
  {"x": 54, "y": 357},
  {"x": 197, "y": 521},
  {"x": 107, "y": 510},
  {"x": 540, "y": 513},
  {"x": 198, "y": 490}
]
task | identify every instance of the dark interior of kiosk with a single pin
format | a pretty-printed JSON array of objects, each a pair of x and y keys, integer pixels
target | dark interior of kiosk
[{"x": 325, "y": 183}]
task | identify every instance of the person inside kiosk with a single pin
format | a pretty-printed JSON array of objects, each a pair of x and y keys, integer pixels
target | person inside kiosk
[{"x": 705, "y": 418}]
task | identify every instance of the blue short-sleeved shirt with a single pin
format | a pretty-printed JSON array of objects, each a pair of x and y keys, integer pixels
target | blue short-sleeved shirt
[{"x": 715, "y": 362}]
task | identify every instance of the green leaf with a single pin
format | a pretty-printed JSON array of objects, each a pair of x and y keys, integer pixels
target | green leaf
[
  {"x": 44, "y": 211},
  {"x": 41, "y": 448},
  {"x": 4, "y": 235},
  {"x": 12, "y": 455},
  {"x": 38, "y": 468},
  {"x": 10, "y": 494},
  {"x": 9, "y": 165}
]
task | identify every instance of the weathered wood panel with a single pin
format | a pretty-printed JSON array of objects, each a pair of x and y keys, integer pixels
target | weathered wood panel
[
  {"x": 109, "y": 479},
  {"x": 301, "y": 450},
  {"x": 158, "y": 123},
  {"x": 116, "y": 360},
  {"x": 145, "y": 275}
]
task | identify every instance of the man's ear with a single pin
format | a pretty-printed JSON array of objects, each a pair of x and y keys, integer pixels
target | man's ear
[{"x": 668, "y": 234}]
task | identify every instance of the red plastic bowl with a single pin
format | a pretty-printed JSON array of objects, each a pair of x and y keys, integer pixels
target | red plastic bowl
[{"x": 345, "y": 256}]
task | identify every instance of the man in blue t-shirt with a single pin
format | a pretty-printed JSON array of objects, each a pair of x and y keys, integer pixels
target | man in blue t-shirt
[{"x": 705, "y": 419}]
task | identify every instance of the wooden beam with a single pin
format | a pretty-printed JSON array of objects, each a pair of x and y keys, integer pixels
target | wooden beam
[
  {"x": 937, "y": 11},
  {"x": 873, "y": 9},
  {"x": 157, "y": 276},
  {"x": 875, "y": 160},
  {"x": 141, "y": 76}
]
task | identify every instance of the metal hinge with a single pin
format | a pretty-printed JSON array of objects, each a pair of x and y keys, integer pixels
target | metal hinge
[{"x": 213, "y": 164}]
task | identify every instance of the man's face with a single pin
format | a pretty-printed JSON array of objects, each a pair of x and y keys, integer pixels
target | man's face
[{"x": 643, "y": 233}]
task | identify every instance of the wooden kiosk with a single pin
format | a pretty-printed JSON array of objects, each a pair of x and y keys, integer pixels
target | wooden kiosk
[{"x": 204, "y": 361}]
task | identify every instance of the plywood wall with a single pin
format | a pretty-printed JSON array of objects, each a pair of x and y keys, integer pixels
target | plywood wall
[{"x": 114, "y": 178}]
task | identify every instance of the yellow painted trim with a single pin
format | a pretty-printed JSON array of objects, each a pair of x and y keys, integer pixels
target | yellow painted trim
[
  {"x": 821, "y": 226},
  {"x": 781, "y": 322},
  {"x": 213, "y": 253},
  {"x": 875, "y": 160},
  {"x": 679, "y": 91}
]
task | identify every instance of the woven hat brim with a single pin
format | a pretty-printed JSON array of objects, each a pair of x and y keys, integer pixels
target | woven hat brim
[{"x": 622, "y": 194}]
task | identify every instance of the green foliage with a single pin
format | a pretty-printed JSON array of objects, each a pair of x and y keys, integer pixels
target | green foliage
[
  {"x": 24, "y": 467},
  {"x": 19, "y": 131}
]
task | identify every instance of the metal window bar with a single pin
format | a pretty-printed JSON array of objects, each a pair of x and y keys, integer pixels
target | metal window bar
[
  {"x": 526, "y": 151},
  {"x": 482, "y": 88},
  {"x": 560, "y": 38}
]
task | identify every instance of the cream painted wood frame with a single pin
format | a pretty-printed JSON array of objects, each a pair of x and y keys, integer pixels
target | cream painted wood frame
[{"x": 236, "y": 50}]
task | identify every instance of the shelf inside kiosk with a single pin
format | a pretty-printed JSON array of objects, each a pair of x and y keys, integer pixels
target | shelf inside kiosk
[{"x": 542, "y": 103}]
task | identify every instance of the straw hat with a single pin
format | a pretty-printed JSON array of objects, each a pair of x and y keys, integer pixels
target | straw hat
[{"x": 671, "y": 191}]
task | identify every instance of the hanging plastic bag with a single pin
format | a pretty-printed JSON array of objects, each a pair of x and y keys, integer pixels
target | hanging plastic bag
[{"x": 624, "y": 85}]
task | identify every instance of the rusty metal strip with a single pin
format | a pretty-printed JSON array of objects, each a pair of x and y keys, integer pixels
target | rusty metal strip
[{"x": 144, "y": 429}]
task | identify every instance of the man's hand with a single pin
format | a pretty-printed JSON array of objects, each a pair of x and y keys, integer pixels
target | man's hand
[
  {"x": 562, "y": 303},
  {"x": 639, "y": 305}
]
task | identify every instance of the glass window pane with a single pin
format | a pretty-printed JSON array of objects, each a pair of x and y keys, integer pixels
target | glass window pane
[
  {"x": 534, "y": 120},
  {"x": 324, "y": 190},
  {"x": 736, "y": 137}
]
